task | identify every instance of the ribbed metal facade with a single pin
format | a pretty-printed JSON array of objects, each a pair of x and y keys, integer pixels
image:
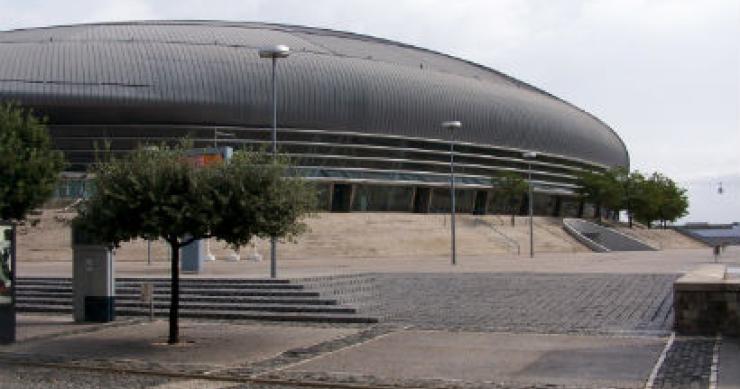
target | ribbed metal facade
[{"x": 351, "y": 107}]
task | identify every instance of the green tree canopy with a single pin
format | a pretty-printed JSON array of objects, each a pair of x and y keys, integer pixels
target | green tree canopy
[
  {"x": 647, "y": 200},
  {"x": 29, "y": 166},
  {"x": 511, "y": 188},
  {"x": 660, "y": 198},
  {"x": 602, "y": 189},
  {"x": 629, "y": 184},
  {"x": 160, "y": 194}
]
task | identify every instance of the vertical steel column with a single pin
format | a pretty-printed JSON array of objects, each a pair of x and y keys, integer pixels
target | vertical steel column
[
  {"x": 273, "y": 239},
  {"x": 452, "y": 194},
  {"x": 531, "y": 211},
  {"x": 452, "y": 126},
  {"x": 274, "y": 52}
]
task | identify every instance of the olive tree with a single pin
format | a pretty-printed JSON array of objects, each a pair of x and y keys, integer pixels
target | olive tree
[
  {"x": 29, "y": 166},
  {"x": 159, "y": 194}
]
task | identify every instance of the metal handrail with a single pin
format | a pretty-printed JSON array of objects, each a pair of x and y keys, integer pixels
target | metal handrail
[
  {"x": 547, "y": 229},
  {"x": 509, "y": 240}
]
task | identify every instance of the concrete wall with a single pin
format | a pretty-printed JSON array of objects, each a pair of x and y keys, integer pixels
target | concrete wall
[
  {"x": 602, "y": 239},
  {"x": 706, "y": 302}
]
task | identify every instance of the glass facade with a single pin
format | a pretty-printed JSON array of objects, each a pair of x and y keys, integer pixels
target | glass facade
[
  {"x": 464, "y": 200},
  {"x": 72, "y": 188},
  {"x": 353, "y": 172},
  {"x": 382, "y": 198}
]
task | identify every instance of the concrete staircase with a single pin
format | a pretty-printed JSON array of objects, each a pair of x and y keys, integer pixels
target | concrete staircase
[{"x": 225, "y": 299}]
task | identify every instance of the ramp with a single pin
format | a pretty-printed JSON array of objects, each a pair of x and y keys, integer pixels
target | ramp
[{"x": 602, "y": 239}]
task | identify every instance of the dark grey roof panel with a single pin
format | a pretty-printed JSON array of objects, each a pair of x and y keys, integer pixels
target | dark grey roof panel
[{"x": 210, "y": 73}]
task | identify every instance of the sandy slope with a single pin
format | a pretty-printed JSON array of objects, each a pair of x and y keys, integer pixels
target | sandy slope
[{"x": 338, "y": 235}]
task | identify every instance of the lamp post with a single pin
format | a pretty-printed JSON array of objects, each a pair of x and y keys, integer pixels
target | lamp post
[
  {"x": 452, "y": 126},
  {"x": 274, "y": 52},
  {"x": 530, "y": 155}
]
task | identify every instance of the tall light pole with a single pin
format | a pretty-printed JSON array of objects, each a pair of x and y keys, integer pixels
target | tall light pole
[
  {"x": 274, "y": 52},
  {"x": 530, "y": 155},
  {"x": 452, "y": 126}
]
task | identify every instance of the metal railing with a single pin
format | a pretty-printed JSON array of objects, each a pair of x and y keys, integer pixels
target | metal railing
[{"x": 511, "y": 242}]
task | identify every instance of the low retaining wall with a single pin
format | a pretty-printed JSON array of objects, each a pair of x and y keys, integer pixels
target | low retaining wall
[
  {"x": 603, "y": 239},
  {"x": 707, "y": 301}
]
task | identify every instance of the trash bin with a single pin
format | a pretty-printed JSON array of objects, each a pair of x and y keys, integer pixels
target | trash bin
[{"x": 93, "y": 281}]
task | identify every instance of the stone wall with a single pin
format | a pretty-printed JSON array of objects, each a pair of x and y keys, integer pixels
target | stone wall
[{"x": 706, "y": 302}]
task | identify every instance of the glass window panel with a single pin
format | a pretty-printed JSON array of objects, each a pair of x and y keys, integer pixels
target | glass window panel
[
  {"x": 464, "y": 200},
  {"x": 381, "y": 198}
]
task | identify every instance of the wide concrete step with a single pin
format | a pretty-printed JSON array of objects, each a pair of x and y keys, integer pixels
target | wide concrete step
[
  {"x": 184, "y": 304},
  {"x": 43, "y": 296},
  {"x": 166, "y": 284},
  {"x": 323, "y": 317},
  {"x": 197, "y": 285},
  {"x": 138, "y": 280},
  {"x": 215, "y": 291},
  {"x": 268, "y": 316},
  {"x": 273, "y": 300}
]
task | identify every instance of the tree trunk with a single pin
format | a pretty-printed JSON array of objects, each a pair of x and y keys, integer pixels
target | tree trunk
[
  {"x": 512, "y": 217},
  {"x": 175, "y": 295}
]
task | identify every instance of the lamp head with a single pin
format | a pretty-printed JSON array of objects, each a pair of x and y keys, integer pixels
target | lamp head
[
  {"x": 277, "y": 51},
  {"x": 452, "y": 125},
  {"x": 529, "y": 155}
]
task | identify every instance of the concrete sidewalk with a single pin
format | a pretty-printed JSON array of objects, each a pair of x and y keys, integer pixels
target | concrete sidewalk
[
  {"x": 513, "y": 359},
  {"x": 654, "y": 262},
  {"x": 206, "y": 346},
  {"x": 365, "y": 355}
]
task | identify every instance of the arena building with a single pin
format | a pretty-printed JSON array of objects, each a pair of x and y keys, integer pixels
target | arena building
[{"x": 357, "y": 114}]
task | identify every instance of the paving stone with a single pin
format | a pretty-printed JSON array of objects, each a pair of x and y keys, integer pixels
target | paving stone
[
  {"x": 529, "y": 302},
  {"x": 687, "y": 364}
]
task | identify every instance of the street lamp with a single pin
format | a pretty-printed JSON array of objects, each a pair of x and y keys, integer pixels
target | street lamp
[
  {"x": 452, "y": 126},
  {"x": 274, "y": 52},
  {"x": 530, "y": 155}
]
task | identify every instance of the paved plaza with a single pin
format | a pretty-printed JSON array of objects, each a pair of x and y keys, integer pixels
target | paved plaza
[
  {"x": 567, "y": 320},
  {"x": 530, "y": 302}
]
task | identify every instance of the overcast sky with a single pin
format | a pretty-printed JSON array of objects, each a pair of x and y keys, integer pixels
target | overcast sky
[{"x": 665, "y": 74}]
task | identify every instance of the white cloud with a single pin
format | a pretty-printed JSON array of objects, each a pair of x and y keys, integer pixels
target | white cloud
[{"x": 665, "y": 74}]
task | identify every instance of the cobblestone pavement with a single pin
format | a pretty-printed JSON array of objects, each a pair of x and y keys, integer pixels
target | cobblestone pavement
[
  {"x": 29, "y": 377},
  {"x": 687, "y": 364},
  {"x": 608, "y": 304},
  {"x": 33, "y": 377},
  {"x": 530, "y": 302}
]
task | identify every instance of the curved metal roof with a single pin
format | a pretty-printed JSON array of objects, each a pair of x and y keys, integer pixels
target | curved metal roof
[{"x": 188, "y": 72}]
